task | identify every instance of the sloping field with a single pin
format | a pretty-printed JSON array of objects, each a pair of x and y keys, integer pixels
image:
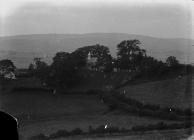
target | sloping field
[
  {"x": 153, "y": 135},
  {"x": 175, "y": 92},
  {"x": 83, "y": 122},
  {"x": 99, "y": 80},
  {"x": 45, "y": 105},
  {"x": 43, "y": 112}
]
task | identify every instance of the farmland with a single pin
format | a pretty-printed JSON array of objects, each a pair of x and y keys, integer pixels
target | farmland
[
  {"x": 46, "y": 113},
  {"x": 43, "y": 112},
  {"x": 171, "y": 92}
]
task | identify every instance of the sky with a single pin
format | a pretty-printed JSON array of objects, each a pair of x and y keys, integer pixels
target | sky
[{"x": 157, "y": 18}]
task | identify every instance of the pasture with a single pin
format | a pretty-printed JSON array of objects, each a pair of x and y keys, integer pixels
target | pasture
[
  {"x": 169, "y": 93},
  {"x": 46, "y": 113},
  {"x": 154, "y": 135},
  {"x": 43, "y": 112}
]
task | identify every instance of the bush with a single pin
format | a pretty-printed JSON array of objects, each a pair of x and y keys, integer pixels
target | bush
[
  {"x": 59, "y": 133},
  {"x": 76, "y": 131},
  {"x": 65, "y": 133},
  {"x": 39, "y": 137},
  {"x": 112, "y": 130},
  {"x": 134, "y": 106},
  {"x": 99, "y": 129},
  {"x": 90, "y": 130},
  {"x": 188, "y": 112},
  {"x": 161, "y": 126}
]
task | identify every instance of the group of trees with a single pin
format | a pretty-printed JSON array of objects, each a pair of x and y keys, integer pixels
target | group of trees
[
  {"x": 6, "y": 67},
  {"x": 130, "y": 55},
  {"x": 66, "y": 67}
]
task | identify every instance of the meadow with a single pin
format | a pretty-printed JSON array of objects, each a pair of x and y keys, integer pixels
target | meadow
[
  {"x": 45, "y": 112},
  {"x": 174, "y": 92}
]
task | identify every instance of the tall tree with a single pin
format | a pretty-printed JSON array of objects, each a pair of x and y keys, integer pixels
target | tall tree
[
  {"x": 171, "y": 61},
  {"x": 99, "y": 51},
  {"x": 150, "y": 66},
  {"x": 40, "y": 69},
  {"x": 6, "y": 66},
  {"x": 64, "y": 70},
  {"x": 130, "y": 54}
]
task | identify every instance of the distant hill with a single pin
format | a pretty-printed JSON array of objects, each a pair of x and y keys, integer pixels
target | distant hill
[{"x": 23, "y": 48}]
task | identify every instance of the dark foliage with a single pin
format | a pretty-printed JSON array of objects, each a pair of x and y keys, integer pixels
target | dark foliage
[
  {"x": 119, "y": 101},
  {"x": 67, "y": 69},
  {"x": 161, "y": 126},
  {"x": 39, "y": 137},
  {"x": 59, "y": 134},
  {"x": 109, "y": 130},
  {"x": 7, "y": 65},
  {"x": 130, "y": 54}
]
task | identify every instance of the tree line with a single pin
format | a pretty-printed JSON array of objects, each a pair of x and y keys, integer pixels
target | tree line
[{"x": 66, "y": 69}]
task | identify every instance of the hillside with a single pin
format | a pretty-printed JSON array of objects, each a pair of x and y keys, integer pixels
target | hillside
[
  {"x": 99, "y": 80},
  {"x": 171, "y": 92},
  {"x": 46, "y": 113},
  {"x": 23, "y": 48}
]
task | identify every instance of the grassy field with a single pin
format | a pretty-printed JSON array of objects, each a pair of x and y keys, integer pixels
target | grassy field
[
  {"x": 43, "y": 104},
  {"x": 171, "y": 93},
  {"x": 43, "y": 112},
  {"x": 154, "y": 135},
  {"x": 46, "y": 113}
]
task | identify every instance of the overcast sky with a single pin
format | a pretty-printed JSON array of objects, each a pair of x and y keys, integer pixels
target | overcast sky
[{"x": 158, "y": 18}]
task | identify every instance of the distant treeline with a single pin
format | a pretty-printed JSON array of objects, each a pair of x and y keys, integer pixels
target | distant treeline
[
  {"x": 105, "y": 130},
  {"x": 67, "y": 69},
  {"x": 118, "y": 101}
]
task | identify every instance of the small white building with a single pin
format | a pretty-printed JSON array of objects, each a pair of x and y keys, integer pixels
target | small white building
[{"x": 91, "y": 61}]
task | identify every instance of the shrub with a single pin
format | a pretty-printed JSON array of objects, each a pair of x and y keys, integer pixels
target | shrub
[
  {"x": 76, "y": 131},
  {"x": 90, "y": 130},
  {"x": 59, "y": 133},
  {"x": 124, "y": 130},
  {"x": 112, "y": 130},
  {"x": 100, "y": 129},
  {"x": 134, "y": 106},
  {"x": 188, "y": 112},
  {"x": 161, "y": 126},
  {"x": 39, "y": 137}
]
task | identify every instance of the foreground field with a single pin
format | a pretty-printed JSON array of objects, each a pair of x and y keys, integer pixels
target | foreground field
[
  {"x": 46, "y": 113},
  {"x": 46, "y": 105},
  {"x": 153, "y": 135}
]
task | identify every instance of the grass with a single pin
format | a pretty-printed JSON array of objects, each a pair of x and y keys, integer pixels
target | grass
[
  {"x": 43, "y": 112},
  {"x": 37, "y": 105},
  {"x": 110, "y": 130},
  {"x": 98, "y": 80},
  {"x": 168, "y": 93}
]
